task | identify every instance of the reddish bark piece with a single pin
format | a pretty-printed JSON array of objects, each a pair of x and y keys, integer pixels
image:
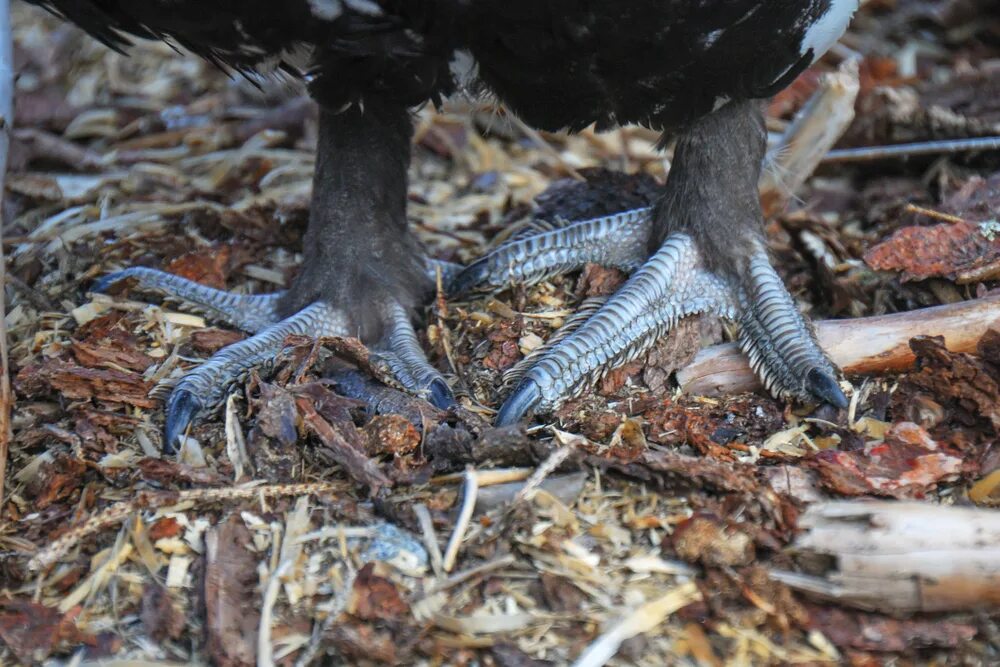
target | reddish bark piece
[
  {"x": 677, "y": 349},
  {"x": 616, "y": 378},
  {"x": 110, "y": 325},
  {"x": 375, "y": 598},
  {"x": 355, "y": 463},
  {"x": 907, "y": 464},
  {"x": 979, "y": 197},
  {"x": 107, "y": 341},
  {"x": 165, "y": 473},
  {"x": 105, "y": 355},
  {"x": 273, "y": 441},
  {"x": 504, "y": 351},
  {"x": 77, "y": 382},
  {"x": 391, "y": 434},
  {"x": 873, "y": 632},
  {"x": 957, "y": 251},
  {"x": 210, "y": 341},
  {"x": 231, "y": 603},
  {"x": 792, "y": 98},
  {"x": 597, "y": 280},
  {"x": 590, "y": 416},
  {"x": 31, "y": 630},
  {"x": 363, "y": 642},
  {"x": 161, "y": 618},
  {"x": 277, "y": 416},
  {"x": 693, "y": 471},
  {"x": 560, "y": 593},
  {"x": 878, "y": 71},
  {"x": 209, "y": 266},
  {"x": 94, "y": 437},
  {"x": 56, "y": 481},
  {"x": 166, "y": 527},
  {"x": 960, "y": 382}
]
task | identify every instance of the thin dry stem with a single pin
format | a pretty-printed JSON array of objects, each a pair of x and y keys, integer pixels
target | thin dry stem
[
  {"x": 149, "y": 500},
  {"x": 6, "y": 120},
  {"x": 469, "y": 493}
]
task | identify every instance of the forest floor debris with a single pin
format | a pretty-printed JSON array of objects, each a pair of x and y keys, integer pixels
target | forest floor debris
[{"x": 319, "y": 513}]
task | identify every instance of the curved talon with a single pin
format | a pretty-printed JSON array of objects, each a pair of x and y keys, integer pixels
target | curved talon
[
  {"x": 104, "y": 283},
  {"x": 673, "y": 284},
  {"x": 401, "y": 351},
  {"x": 449, "y": 271},
  {"x": 778, "y": 341},
  {"x": 469, "y": 278},
  {"x": 525, "y": 398},
  {"x": 205, "y": 387},
  {"x": 182, "y": 407},
  {"x": 824, "y": 387},
  {"x": 441, "y": 395}
]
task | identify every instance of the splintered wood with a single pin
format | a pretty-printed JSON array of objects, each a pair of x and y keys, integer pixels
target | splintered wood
[
  {"x": 815, "y": 130},
  {"x": 901, "y": 557}
]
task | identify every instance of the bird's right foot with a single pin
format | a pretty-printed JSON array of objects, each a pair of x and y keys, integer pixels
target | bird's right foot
[{"x": 205, "y": 388}]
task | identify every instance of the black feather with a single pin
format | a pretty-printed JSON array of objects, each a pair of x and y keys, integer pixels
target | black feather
[{"x": 557, "y": 63}]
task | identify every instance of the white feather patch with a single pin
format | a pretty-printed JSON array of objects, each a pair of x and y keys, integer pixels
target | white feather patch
[
  {"x": 825, "y": 32},
  {"x": 326, "y": 10}
]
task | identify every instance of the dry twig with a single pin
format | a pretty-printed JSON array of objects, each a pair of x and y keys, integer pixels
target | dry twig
[
  {"x": 469, "y": 492},
  {"x": 6, "y": 121},
  {"x": 157, "y": 499},
  {"x": 871, "y": 153}
]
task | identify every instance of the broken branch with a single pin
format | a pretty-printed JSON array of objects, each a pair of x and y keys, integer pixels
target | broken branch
[
  {"x": 863, "y": 345},
  {"x": 901, "y": 557}
]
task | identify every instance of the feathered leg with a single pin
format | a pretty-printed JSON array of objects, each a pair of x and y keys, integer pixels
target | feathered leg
[{"x": 362, "y": 274}]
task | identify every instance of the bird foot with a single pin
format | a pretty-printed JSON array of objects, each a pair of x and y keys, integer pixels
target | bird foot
[
  {"x": 673, "y": 283},
  {"x": 206, "y": 387}
]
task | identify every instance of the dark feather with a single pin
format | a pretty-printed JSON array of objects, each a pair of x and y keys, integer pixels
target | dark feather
[{"x": 557, "y": 63}]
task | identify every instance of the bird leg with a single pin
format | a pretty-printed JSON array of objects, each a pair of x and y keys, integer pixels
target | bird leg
[
  {"x": 706, "y": 254},
  {"x": 362, "y": 274}
]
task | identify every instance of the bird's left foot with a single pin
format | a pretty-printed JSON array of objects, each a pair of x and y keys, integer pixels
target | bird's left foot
[{"x": 712, "y": 259}]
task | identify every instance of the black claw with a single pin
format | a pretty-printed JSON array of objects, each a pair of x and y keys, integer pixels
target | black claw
[
  {"x": 522, "y": 401},
  {"x": 182, "y": 406},
  {"x": 825, "y": 387},
  {"x": 468, "y": 279},
  {"x": 104, "y": 282},
  {"x": 441, "y": 396}
]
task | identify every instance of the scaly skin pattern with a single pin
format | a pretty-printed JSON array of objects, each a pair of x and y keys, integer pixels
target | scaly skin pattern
[{"x": 672, "y": 284}]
